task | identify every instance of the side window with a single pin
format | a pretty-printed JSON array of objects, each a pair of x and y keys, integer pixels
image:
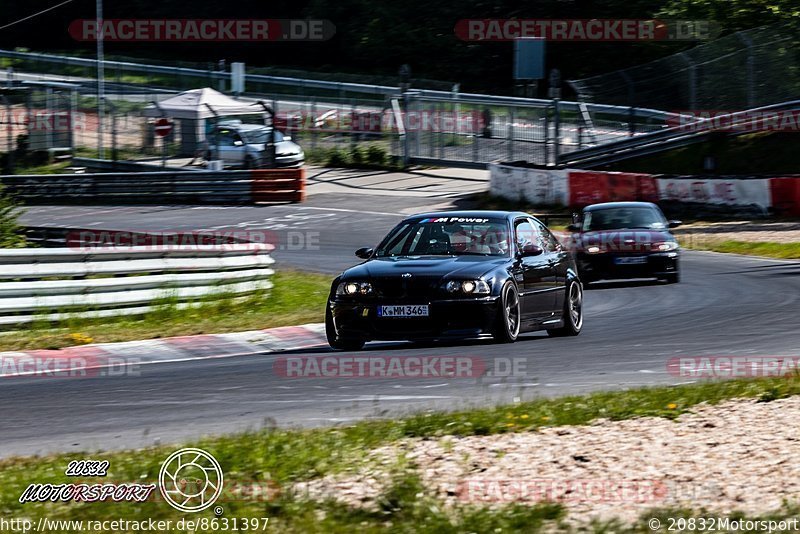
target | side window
[
  {"x": 546, "y": 239},
  {"x": 225, "y": 137},
  {"x": 524, "y": 233}
]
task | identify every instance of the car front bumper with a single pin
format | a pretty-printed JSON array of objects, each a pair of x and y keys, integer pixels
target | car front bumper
[
  {"x": 293, "y": 160},
  {"x": 447, "y": 318},
  {"x": 606, "y": 266}
]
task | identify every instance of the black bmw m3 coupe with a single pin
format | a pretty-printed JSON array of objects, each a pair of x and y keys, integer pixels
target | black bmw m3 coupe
[{"x": 457, "y": 274}]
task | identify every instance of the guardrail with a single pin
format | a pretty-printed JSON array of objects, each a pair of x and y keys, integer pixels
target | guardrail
[
  {"x": 673, "y": 137},
  {"x": 338, "y": 87},
  {"x": 55, "y": 284},
  {"x": 107, "y": 165},
  {"x": 202, "y": 187}
]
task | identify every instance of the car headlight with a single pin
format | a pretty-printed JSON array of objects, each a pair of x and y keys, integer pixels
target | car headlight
[
  {"x": 594, "y": 249},
  {"x": 665, "y": 246},
  {"x": 354, "y": 288},
  {"x": 468, "y": 287}
]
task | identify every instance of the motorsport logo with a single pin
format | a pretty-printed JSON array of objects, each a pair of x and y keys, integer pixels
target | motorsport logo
[
  {"x": 202, "y": 30},
  {"x": 190, "y": 480}
]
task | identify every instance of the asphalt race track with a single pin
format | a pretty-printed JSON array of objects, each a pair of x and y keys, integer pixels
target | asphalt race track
[{"x": 724, "y": 306}]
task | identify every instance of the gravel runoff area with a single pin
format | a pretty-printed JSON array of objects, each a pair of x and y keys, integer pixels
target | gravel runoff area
[
  {"x": 739, "y": 455},
  {"x": 757, "y": 231}
]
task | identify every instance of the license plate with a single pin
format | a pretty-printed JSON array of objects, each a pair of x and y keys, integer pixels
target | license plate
[
  {"x": 403, "y": 311},
  {"x": 631, "y": 260}
]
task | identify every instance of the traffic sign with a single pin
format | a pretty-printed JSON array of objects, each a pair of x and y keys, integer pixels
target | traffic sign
[
  {"x": 529, "y": 58},
  {"x": 163, "y": 127}
]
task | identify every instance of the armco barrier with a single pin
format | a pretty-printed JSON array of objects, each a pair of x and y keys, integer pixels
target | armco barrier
[
  {"x": 735, "y": 192},
  {"x": 537, "y": 186},
  {"x": 577, "y": 188},
  {"x": 590, "y": 187},
  {"x": 785, "y": 195},
  {"x": 53, "y": 284},
  {"x": 278, "y": 185},
  {"x": 202, "y": 187}
]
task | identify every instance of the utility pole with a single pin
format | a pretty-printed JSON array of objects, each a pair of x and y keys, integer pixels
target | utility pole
[{"x": 101, "y": 89}]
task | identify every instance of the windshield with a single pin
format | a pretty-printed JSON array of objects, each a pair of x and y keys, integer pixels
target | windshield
[
  {"x": 260, "y": 136},
  {"x": 618, "y": 218},
  {"x": 447, "y": 236}
]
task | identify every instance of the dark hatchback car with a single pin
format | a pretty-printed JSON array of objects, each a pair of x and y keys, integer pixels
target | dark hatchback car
[
  {"x": 625, "y": 240},
  {"x": 457, "y": 274}
]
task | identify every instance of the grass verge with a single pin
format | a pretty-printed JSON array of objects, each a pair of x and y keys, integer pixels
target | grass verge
[
  {"x": 279, "y": 458},
  {"x": 751, "y": 248},
  {"x": 297, "y": 297}
]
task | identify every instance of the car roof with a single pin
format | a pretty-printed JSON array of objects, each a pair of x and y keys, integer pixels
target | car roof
[
  {"x": 606, "y": 205},
  {"x": 486, "y": 214}
]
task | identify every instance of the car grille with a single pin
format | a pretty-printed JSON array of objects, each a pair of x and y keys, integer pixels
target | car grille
[{"x": 415, "y": 287}]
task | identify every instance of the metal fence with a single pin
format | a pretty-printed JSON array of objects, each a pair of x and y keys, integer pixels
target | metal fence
[
  {"x": 336, "y": 123},
  {"x": 412, "y": 128},
  {"x": 743, "y": 70}
]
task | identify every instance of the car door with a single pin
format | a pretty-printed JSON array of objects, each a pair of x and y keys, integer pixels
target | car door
[
  {"x": 231, "y": 147},
  {"x": 537, "y": 272},
  {"x": 558, "y": 258}
]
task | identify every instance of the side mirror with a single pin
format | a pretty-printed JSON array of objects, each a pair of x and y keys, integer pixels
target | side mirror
[
  {"x": 574, "y": 227},
  {"x": 529, "y": 249},
  {"x": 364, "y": 253},
  {"x": 238, "y": 142},
  {"x": 674, "y": 224},
  {"x": 287, "y": 138}
]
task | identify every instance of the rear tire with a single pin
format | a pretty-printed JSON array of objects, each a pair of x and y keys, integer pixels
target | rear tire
[
  {"x": 336, "y": 342},
  {"x": 572, "y": 316},
  {"x": 509, "y": 314}
]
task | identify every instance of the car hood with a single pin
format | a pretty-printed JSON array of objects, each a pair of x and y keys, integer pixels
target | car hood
[
  {"x": 284, "y": 147},
  {"x": 622, "y": 239},
  {"x": 427, "y": 266}
]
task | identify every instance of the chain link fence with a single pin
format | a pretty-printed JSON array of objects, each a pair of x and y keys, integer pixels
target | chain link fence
[
  {"x": 743, "y": 70},
  {"x": 52, "y": 119}
]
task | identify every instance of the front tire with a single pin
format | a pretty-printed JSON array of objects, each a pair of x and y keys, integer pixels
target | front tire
[
  {"x": 572, "y": 316},
  {"x": 334, "y": 340},
  {"x": 507, "y": 322},
  {"x": 672, "y": 278}
]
